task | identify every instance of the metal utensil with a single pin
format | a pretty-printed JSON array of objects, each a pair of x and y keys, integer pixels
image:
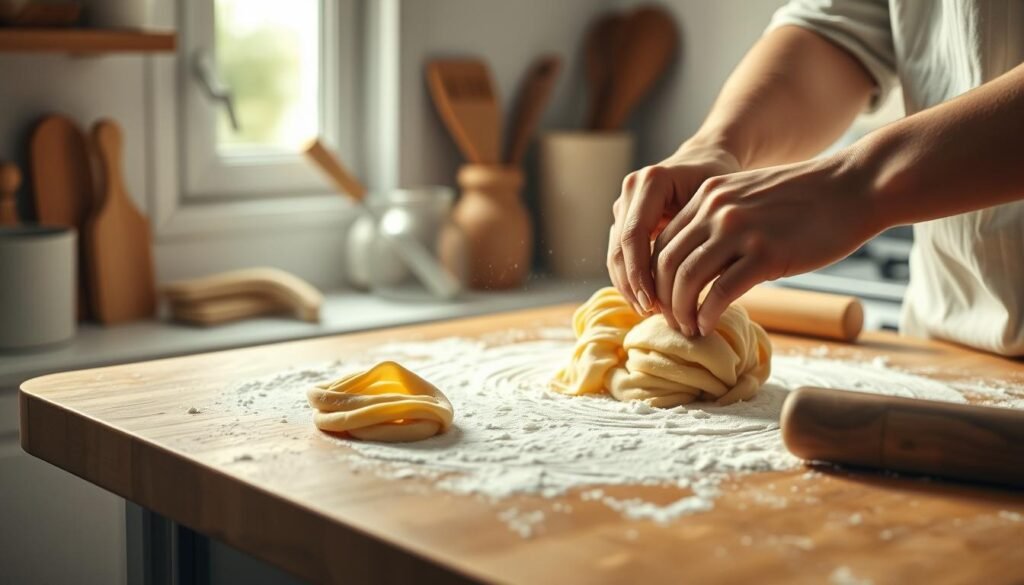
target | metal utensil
[{"x": 424, "y": 265}]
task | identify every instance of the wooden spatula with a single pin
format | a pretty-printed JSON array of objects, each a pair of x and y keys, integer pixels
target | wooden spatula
[
  {"x": 118, "y": 241},
  {"x": 10, "y": 180},
  {"x": 62, "y": 178},
  {"x": 533, "y": 98},
  {"x": 647, "y": 47},
  {"x": 600, "y": 44},
  {"x": 464, "y": 96}
]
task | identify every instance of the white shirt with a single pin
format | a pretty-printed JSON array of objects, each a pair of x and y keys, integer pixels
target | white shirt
[{"x": 966, "y": 271}]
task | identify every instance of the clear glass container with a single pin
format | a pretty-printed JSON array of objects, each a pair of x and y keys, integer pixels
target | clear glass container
[{"x": 421, "y": 215}]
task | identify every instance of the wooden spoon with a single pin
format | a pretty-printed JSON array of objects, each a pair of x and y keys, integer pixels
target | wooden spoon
[
  {"x": 601, "y": 42},
  {"x": 10, "y": 180},
  {"x": 464, "y": 96},
  {"x": 533, "y": 97},
  {"x": 648, "y": 45}
]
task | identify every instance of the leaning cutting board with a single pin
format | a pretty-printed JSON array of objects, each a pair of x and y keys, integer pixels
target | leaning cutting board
[
  {"x": 118, "y": 241},
  {"x": 63, "y": 184}
]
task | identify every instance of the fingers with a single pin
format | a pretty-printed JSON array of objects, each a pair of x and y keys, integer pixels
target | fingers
[
  {"x": 678, "y": 223},
  {"x": 617, "y": 269},
  {"x": 735, "y": 280},
  {"x": 667, "y": 262},
  {"x": 694, "y": 275},
  {"x": 616, "y": 264},
  {"x": 645, "y": 212},
  {"x": 696, "y": 270}
]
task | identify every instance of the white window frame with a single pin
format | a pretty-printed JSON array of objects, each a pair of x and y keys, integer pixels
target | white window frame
[
  {"x": 210, "y": 174},
  {"x": 176, "y": 212}
]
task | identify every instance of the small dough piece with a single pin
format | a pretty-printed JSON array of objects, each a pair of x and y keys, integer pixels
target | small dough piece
[
  {"x": 385, "y": 403},
  {"x": 600, "y": 325},
  {"x": 633, "y": 358}
]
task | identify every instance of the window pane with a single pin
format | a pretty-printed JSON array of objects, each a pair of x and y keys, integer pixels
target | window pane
[{"x": 268, "y": 52}]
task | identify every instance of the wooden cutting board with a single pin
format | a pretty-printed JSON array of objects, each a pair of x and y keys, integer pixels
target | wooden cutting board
[
  {"x": 62, "y": 179},
  {"x": 128, "y": 429},
  {"x": 118, "y": 241}
]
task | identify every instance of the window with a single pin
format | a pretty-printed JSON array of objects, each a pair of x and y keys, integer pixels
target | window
[
  {"x": 269, "y": 54},
  {"x": 259, "y": 78}
]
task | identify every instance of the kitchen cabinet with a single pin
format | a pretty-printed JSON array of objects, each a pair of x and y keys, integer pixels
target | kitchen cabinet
[{"x": 55, "y": 528}]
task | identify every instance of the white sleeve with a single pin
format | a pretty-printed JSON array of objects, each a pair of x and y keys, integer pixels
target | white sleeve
[{"x": 861, "y": 27}]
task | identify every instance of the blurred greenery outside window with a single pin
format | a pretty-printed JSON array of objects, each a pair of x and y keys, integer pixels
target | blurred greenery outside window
[{"x": 268, "y": 53}]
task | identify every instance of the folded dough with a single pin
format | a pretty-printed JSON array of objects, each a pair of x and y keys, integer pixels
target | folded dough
[
  {"x": 645, "y": 359},
  {"x": 600, "y": 325},
  {"x": 385, "y": 403}
]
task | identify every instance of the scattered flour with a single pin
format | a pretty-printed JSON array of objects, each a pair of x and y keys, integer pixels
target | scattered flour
[
  {"x": 845, "y": 576},
  {"x": 523, "y": 523},
  {"x": 513, "y": 435},
  {"x": 1011, "y": 516}
]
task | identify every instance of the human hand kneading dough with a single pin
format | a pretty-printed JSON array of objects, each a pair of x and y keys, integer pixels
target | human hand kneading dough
[{"x": 743, "y": 201}]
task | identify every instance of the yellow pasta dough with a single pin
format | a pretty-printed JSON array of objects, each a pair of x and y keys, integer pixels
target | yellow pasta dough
[
  {"x": 385, "y": 403},
  {"x": 633, "y": 358},
  {"x": 600, "y": 325}
]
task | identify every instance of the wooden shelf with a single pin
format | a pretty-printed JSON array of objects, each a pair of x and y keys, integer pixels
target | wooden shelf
[{"x": 84, "y": 40}]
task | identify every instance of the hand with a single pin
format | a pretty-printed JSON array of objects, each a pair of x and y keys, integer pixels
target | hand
[
  {"x": 650, "y": 198},
  {"x": 754, "y": 226}
]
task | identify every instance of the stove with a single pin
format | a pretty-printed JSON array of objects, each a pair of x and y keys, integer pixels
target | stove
[{"x": 877, "y": 274}]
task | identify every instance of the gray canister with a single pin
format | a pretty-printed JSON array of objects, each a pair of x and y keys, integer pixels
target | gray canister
[{"x": 37, "y": 285}]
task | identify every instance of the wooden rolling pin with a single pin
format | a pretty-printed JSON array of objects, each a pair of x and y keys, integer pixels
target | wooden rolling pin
[
  {"x": 786, "y": 310},
  {"x": 958, "y": 441}
]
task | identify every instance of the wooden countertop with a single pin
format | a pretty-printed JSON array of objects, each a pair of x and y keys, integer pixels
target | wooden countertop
[{"x": 126, "y": 428}]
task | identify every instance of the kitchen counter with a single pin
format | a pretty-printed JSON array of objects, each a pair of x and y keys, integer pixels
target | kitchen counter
[
  {"x": 291, "y": 503},
  {"x": 343, "y": 312}
]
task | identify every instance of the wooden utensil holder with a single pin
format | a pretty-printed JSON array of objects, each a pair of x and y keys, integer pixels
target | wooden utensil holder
[
  {"x": 580, "y": 177},
  {"x": 496, "y": 225}
]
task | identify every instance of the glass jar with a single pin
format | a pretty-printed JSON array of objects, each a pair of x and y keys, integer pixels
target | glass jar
[{"x": 420, "y": 214}]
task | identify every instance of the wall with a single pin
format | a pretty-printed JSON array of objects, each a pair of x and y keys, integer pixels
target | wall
[
  {"x": 508, "y": 36},
  {"x": 714, "y": 36},
  {"x": 85, "y": 88}
]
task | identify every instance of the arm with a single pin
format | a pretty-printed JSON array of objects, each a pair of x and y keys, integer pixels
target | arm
[
  {"x": 962, "y": 155},
  {"x": 792, "y": 96},
  {"x": 748, "y": 227}
]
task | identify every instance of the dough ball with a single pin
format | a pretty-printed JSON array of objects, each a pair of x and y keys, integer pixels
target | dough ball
[
  {"x": 632, "y": 358},
  {"x": 665, "y": 368},
  {"x": 385, "y": 403}
]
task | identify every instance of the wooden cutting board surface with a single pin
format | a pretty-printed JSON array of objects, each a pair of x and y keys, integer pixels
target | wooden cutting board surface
[{"x": 127, "y": 429}]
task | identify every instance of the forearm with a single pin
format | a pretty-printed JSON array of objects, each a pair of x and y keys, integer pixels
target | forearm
[
  {"x": 793, "y": 95},
  {"x": 959, "y": 156}
]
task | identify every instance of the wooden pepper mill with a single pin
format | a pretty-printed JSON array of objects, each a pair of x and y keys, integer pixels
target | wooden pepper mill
[{"x": 496, "y": 225}]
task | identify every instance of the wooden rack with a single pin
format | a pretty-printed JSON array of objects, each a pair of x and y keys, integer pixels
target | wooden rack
[{"x": 85, "y": 40}]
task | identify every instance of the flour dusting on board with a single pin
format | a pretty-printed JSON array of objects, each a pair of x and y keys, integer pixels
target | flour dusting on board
[{"x": 513, "y": 435}]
